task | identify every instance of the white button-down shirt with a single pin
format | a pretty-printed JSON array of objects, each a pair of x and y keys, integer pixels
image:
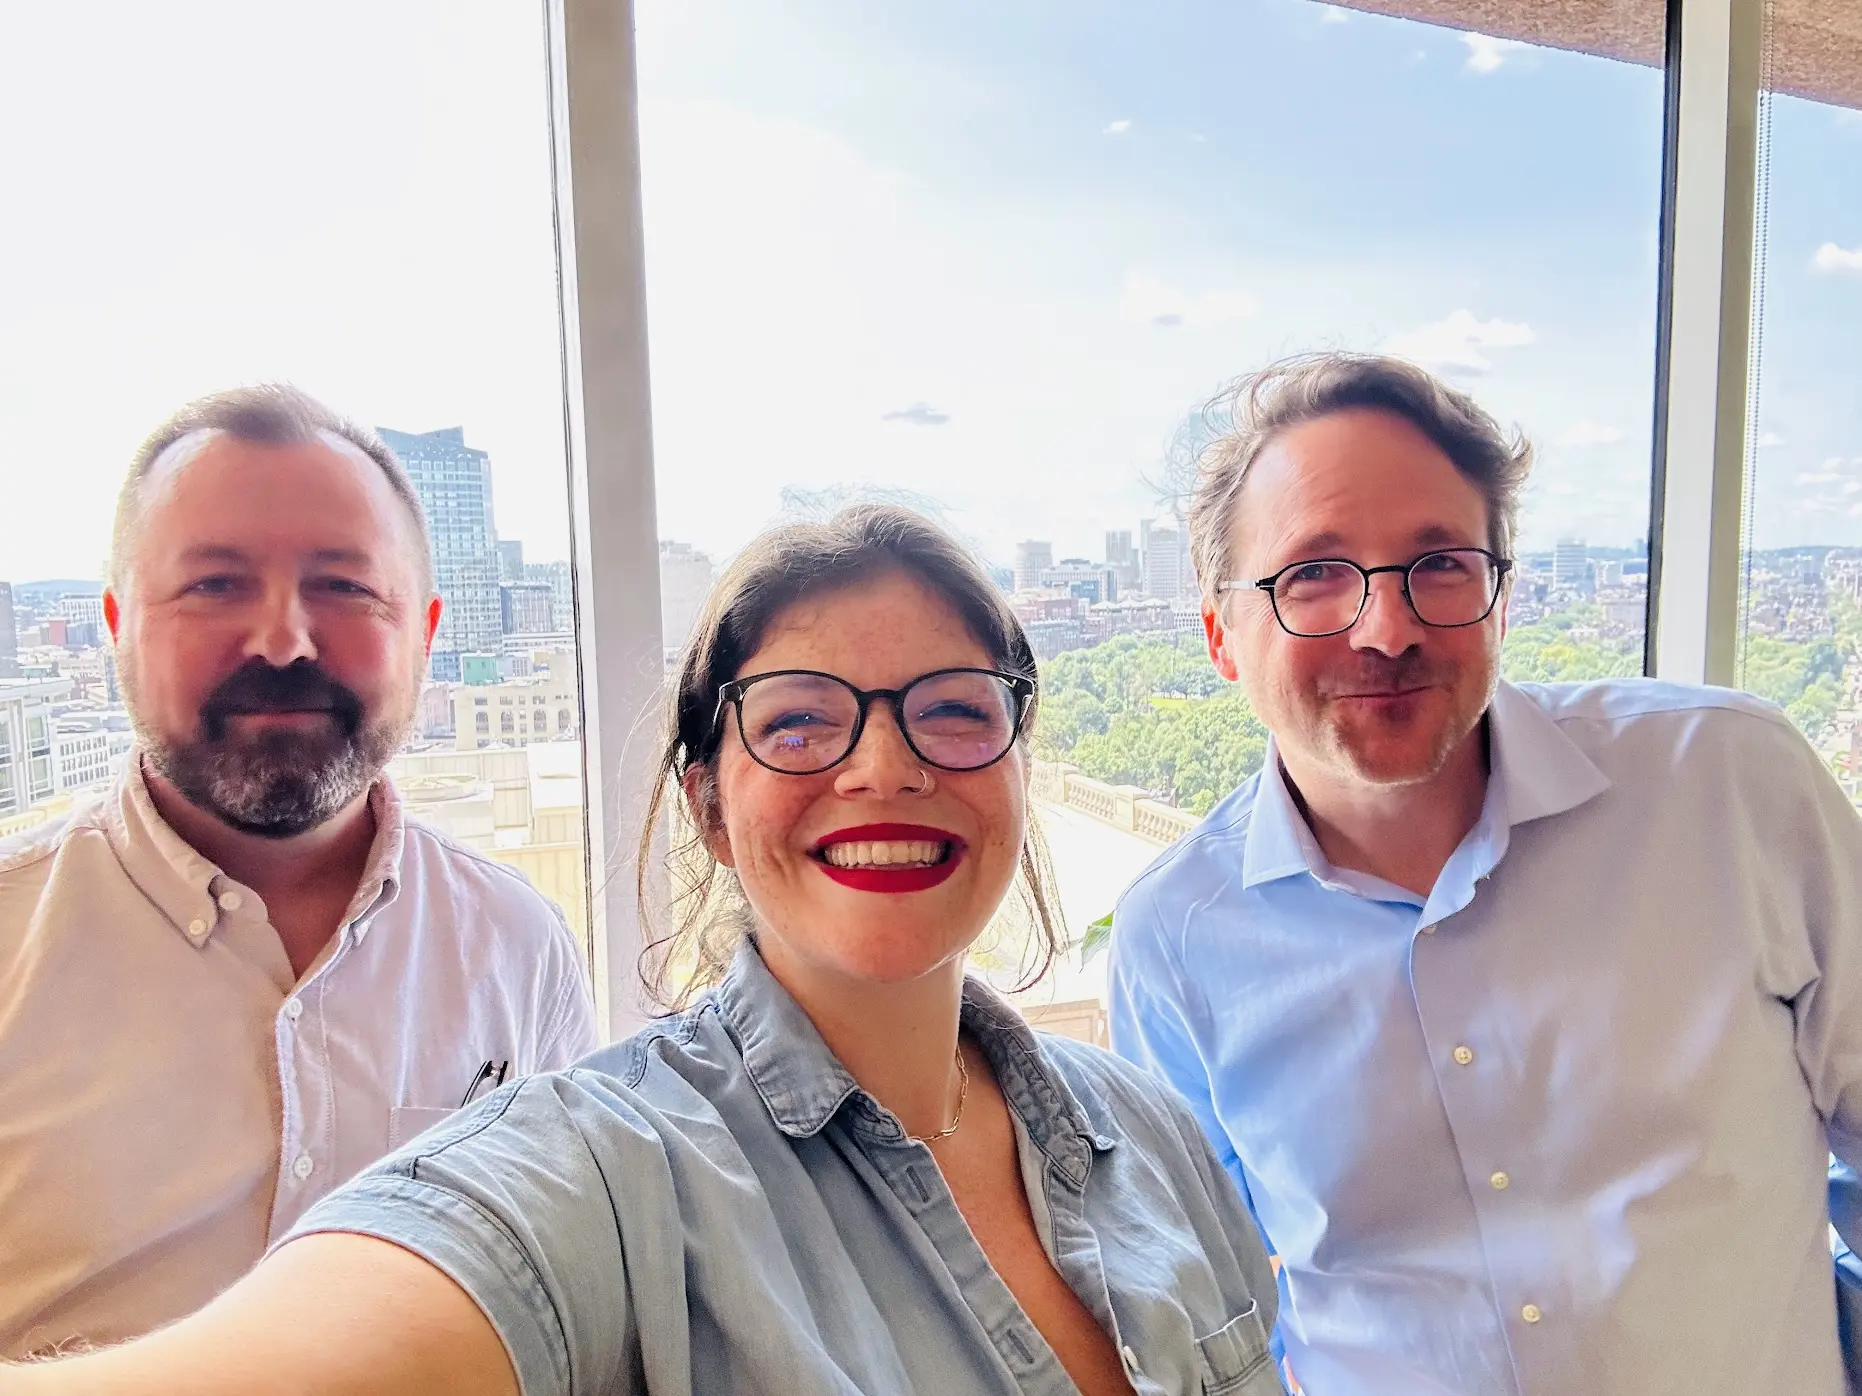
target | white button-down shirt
[
  {"x": 172, "y": 1096},
  {"x": 1563, "y": 1125}
]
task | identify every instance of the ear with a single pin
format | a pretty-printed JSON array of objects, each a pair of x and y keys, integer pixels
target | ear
[
  {"x": 1216, "y": 635},
  {"x": 113, "y": 615},
  {"x": 434, "y": 607},
  {"x": 701, "y": 798}
]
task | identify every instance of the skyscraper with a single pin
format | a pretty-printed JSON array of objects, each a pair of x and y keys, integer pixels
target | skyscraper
[
  {"x": 453, "y": 481},
  {"x": 1167, "y": 571},
  {"x": 562, "y": 590},
  {"x": 1031, "y": 560},
  {"x": 9, "y": 634},
  {"x": 685, "y": 577},
  {"x": 1570, "y": 563}
]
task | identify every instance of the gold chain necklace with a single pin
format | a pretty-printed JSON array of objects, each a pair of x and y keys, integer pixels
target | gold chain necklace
[{"x": 963, "y": 1094}]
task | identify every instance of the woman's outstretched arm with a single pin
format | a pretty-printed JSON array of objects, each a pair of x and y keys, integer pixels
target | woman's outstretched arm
[{"x": 331, "y": 1314}]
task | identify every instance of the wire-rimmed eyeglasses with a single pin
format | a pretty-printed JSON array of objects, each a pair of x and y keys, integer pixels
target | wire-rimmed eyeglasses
[
  {"x": 802, "y": 722},
  {"x": 1447, "y": 588}
]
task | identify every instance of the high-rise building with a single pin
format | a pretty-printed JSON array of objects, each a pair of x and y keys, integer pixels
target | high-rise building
[
  {"x": 511, "y": 560},
  {"x": 685, "y": 578},
  {"x": 1570, "y": 564},
  {"x": 9, "y": 634},
  {"x": 1031, "y": 560},
  {"x": 453, "y": 481},
  {"x": 1122, "y": 559},
  {"x": 562, "y": 589},
  {"x": 529, "y": 608},
  {"x": 1167, "y": 571}
]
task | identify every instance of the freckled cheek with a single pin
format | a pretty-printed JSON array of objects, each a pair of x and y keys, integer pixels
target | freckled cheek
[{"x": 762, "y": 823}]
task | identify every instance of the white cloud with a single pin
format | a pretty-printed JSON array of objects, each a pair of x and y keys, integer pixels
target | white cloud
[
  {"x": 1836, "y": 470},
  {"x": 1152, "y": 300},
  {"x": 1487, "y": 54},
  {"x": 1117, "y": 128},
  {"x": 1331, "y": 14},
  {"x": 1770, "y": 438},
  {"x": 1830, "y": 257},
  {"x": 1453, "y": 346},
  {"x": 1582, "y": 434},
  {"x": 919, "y": 414}
]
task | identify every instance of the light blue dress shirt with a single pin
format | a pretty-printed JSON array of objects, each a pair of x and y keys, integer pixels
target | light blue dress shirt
[
  {"x": 1562, "y": 1127},
  {"x": 715, "y": 1207}
]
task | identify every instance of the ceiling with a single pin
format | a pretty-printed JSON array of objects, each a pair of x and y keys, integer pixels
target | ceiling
[{"x": 1816, "y": 44}]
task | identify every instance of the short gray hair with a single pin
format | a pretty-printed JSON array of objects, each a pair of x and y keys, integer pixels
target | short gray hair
[
  {"x": 270, "y": 414},
  {"x": 1253, "y": 410}
]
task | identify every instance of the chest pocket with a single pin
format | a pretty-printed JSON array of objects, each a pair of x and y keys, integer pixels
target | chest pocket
[{"x": 1236, "y": 1360}]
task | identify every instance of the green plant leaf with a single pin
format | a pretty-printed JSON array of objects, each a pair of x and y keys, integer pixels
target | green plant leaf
[{"x": 1098, "y": 936}]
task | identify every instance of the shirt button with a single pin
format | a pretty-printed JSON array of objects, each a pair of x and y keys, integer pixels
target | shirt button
[
  {"x": 229, "y": 901},
  {"x": 294, "y": 1009},
  {"x": 302, "y": 1165},
  {"x": 1531, "y": 1313},
  {"x": 1500, "y": 1182},
  {"x": 1464, "y": 1055},
  {"x": 197, "y": 927},
  {"x": 1129, "y": 1358}
]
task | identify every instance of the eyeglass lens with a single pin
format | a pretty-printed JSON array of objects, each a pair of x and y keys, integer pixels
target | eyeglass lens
[
  {"x": 1453, "y": 587},
  {"x": 803, "y": 723}
]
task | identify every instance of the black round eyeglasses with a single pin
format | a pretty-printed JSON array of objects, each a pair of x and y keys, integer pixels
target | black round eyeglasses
[
  {"x": 1447, "y": 588},
  {"x": 802, "y": 722}
]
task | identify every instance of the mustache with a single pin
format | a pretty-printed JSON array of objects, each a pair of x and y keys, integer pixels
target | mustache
[
  {"x": 1378, "y": 673},
  {"x": 300, "y": 686}
]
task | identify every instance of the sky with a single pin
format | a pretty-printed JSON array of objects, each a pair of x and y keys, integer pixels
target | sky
[{"x": 992, "y": 252}]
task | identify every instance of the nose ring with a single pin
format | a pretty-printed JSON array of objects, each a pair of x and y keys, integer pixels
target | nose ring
[{"x": 924, "y": 782}]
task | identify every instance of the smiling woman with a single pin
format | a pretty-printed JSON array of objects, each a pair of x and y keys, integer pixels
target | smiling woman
[{"x": 870, "y": 581}]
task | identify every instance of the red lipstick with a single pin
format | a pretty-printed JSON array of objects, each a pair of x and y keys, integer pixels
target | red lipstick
[{"x": 882, "y": 877}]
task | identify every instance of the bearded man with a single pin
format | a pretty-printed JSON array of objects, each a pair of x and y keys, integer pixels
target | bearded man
[
  {"x": 244, "y": 973},
  {"x": 1526, "y": 1016}
]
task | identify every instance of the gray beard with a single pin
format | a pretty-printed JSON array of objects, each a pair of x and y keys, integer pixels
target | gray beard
[{"x": 282, "y": 784}]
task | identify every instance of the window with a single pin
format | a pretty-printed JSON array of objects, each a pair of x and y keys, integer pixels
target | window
[
  {"x": 1801, "y": 573},
  {"x": 506, "y": 723},
  {"x": 1001, "y": 256},
  {"x": 484, "y": 722},
  {"x": 414, "y": 208}
]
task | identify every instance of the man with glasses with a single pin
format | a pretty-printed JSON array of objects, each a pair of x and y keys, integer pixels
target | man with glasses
[{"x": 1526, "y": 1017}]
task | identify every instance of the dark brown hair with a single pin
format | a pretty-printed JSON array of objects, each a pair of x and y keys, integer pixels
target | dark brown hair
[{"x": 707, "y": 914}]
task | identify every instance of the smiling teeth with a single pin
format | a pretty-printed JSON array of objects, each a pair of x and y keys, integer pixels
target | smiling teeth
[{"x": 919, "y": 854}]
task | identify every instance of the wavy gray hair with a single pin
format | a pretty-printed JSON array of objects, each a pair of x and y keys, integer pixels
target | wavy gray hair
[{"x": 1253, "y": 410}]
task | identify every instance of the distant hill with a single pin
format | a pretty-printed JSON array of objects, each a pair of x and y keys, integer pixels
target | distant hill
[{"x": 55, "y": 588}]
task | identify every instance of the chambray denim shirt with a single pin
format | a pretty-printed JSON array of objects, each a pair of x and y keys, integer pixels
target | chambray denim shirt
[
  {"x": 1563, "y": 1126},
  {"x": 715, "y": 1207}
]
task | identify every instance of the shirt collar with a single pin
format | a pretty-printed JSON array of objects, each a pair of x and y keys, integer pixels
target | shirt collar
[
  {"x": 181, "y": 883},
  {"x": 804, "y": 1086},
  {"x": 1537, "y": 771},
  {"x": 1542, "y": 770}
]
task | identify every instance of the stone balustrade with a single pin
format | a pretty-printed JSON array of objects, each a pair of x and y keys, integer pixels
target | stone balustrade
[{"x": 1125, "y": 807}]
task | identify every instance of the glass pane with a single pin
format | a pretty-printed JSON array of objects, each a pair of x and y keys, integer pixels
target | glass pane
[
  {"x": 989, "y": 261},
  {"x": 357, "y": 202},
  {"x": 1802, "y": 577}
]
